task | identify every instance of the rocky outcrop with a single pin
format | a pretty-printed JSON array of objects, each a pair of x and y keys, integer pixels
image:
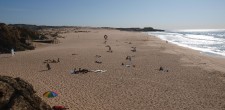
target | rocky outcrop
[
  {"x": 17, "y": 94},
  {"x": 19, "y": 39}
]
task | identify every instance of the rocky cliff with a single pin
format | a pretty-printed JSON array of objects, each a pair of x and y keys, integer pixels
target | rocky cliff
[
  {"x": 17, "y": 94},
  {"x": 15, "y": 37}
]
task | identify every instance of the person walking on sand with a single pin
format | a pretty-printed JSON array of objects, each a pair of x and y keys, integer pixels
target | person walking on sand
[
  {"x": 58, "y": 60},
  {"x": 48, "y": 66},
  {"x": 12, "y": 52}
]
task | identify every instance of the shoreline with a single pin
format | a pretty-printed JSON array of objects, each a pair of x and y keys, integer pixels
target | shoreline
[
  {"x": 194, "y": 41},
  {"x": 213, "y": 55},
  {"x": 189, "y": 80},
  {"x": 210, "y": 58}
]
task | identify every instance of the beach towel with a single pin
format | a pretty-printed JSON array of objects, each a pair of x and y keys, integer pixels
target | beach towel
[{"x": 99, "y": 71}]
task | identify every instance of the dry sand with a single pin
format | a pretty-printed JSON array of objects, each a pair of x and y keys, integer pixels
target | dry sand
[{"x": 194, "y": 81}]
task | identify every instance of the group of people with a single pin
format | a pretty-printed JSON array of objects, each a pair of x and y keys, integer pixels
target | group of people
[
  {"x": 80, "y": 71},
  {"x": 50, "y": 61}
]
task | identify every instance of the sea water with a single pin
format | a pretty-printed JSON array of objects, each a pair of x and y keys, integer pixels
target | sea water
[{"x": 211, "y": 41}]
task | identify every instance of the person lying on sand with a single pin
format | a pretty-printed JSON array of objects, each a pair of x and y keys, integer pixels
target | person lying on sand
[
  {"x": 80, "y": 71},
  {"x": 128, "y": 65},
  {"x": 110, "y": 49},
  {"x": 98, "y": 56},
  {"x": 133, "y": 49},
  {"x": 59, "y": 108},
  {"x": 99, "y": 62},
  {"x": 53, "y": 61},
  {"x": 162, "y": 69},
  {"x": 83, "y": 71},
  {"x": 75, "y": 71}
]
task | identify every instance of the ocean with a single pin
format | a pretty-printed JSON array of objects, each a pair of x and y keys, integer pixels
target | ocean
[{"x": 210, "y": 41}]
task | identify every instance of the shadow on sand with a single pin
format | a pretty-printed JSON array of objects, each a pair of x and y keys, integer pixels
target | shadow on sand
[
  {"x": 43, "y": 70},
  {"x": 5, "y": 56}
]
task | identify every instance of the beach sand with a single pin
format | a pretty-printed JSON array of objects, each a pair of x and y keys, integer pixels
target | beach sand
[{"x": 194, "y": 81}]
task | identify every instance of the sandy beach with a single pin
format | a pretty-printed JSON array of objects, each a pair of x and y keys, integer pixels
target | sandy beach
[{"x": 189, "y": 80}]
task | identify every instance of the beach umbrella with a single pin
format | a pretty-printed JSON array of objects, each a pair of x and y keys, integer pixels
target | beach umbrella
[{"x": 50, "y": 94}]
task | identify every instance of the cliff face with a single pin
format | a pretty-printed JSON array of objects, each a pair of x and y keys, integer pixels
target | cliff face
[
  {"x": 17, "y": 94},
  {"x": 16, "y": 38}
]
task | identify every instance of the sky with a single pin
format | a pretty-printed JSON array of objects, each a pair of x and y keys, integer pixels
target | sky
[{"x": 161, "y": 14}]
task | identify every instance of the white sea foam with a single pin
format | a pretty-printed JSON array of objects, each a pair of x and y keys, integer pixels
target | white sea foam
[
  {"x": 199, "y": 30},
  {"x": 212, "y": 41}
]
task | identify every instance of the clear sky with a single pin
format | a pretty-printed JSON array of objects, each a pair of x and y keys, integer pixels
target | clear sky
[{"x": 163, "y": 14}]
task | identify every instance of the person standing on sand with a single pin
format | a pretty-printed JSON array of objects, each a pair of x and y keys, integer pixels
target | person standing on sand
[
  {"x": 105, "y": 37},
  {"x": 12, "y": 51},
  {"x": 48, "y": 66},
  {"x": 58, "y": 60}
]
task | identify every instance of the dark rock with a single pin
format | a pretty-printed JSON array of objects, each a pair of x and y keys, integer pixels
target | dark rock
[{"x": 17, "y": 94}]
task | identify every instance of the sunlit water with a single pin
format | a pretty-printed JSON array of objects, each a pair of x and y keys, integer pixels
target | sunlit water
[{"x": 208, "y": 41}]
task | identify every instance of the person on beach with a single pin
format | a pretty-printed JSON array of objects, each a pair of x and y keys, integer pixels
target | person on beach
[
  {"x": 110, "y": 50},
  {"x": 133, "y": 49},
  {"x": 74, "y": 71},
  {"x": 48, "y": 66},
  {"x": 128, "y": 58},
  {"x": 105, "y": 37},
  {"x": 59, "y": 108},
  {"x": 54, "y": 61},
  {"x": 58, "y": 60},
  {"x": 12, "y": 52}
]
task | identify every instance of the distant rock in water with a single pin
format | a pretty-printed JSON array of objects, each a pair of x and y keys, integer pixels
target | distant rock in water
[
  {"x": 17, "y": 94},
  {"x": 18, "y": 38}
]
